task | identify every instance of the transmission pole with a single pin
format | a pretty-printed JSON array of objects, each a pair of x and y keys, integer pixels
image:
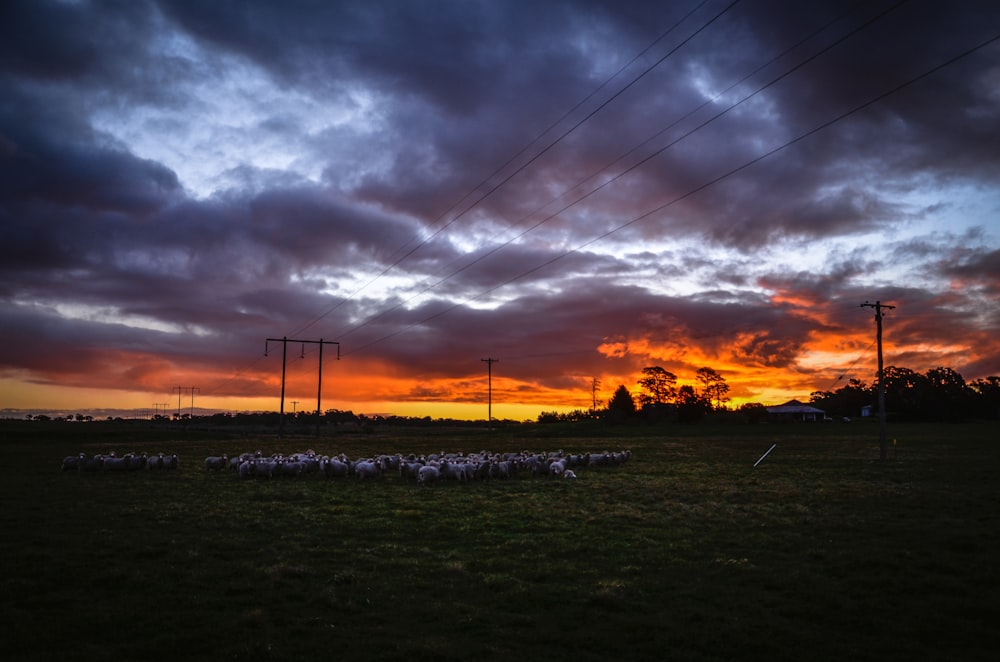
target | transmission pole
[
  {"x": 489, "y": 381},
  {"x": 882, "y": 442},
  {"x": 193, "y": 389},
  {"x": 284, "y": 357},
  {"x": 185, "y": 389}
]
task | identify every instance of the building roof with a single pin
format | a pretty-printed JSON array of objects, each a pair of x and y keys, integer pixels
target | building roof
[{"x": 794, "y": 407}]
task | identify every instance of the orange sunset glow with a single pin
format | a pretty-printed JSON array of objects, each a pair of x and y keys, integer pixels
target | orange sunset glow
[{"x": 578, "y": 191}]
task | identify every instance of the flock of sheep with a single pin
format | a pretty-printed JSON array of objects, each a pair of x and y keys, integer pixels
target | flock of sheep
[
  {"x": 422, "y": 469},
  {"x": 128, "y": 462}
]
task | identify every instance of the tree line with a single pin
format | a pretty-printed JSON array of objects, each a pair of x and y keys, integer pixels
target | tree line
[
  {"x": 940, "y": 394},
  {"x": 660, "y": 399}
]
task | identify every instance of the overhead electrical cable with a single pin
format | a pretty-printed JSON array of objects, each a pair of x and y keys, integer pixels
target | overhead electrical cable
[
  {"x": 650, "y": 156},
  {"x": 317, "y": 318},
  {"x": 395, "y": 263},
  {"x": 715, "y": 180}
]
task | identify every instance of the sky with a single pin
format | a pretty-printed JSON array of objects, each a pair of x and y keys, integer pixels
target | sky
[{"x": 577, "y": 189}]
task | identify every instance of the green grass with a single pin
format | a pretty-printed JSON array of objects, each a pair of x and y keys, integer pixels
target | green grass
[{"x": 686, "y": 553}]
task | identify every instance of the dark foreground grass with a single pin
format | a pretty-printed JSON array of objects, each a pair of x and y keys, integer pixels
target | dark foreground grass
[{"x": 686, "y": 553}]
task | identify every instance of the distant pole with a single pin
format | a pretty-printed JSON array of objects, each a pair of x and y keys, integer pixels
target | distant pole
[
  {"x": 179, "y": 389},
  {"x": 294, "y": 402},
  {"x": 489, "y": 381},
  {"x": 595, "y": 383},
  {"x": 193, "y": 389},
  {"x": 319, "y": 385},
  {"x": 882, "y": 437},
  {"x": 284, "y": 362}
]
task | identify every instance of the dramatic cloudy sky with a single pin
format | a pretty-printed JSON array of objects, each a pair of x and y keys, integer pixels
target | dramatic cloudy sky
[{"x": 577, "y": 188}]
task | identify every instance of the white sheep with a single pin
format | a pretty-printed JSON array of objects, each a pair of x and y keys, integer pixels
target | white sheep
[
  {"x": 112, "y": 463},
  {"x": 95, "y": 463},
  {"x": 73, "y": 461},
  {"x": 427, "y": 474},
  {"x": 367, "y": 469},
  {"x": 216, "y": 462},
  {"x": 334, "y": 468},
  {"x": 247, "y": 468}
]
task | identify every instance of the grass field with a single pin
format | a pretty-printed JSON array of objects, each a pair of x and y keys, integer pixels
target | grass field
[{"x": 685, "y": 553}]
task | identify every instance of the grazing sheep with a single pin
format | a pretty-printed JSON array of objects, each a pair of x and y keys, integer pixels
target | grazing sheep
[
  {"x": 452, "y": 471},
  {"x": 112, "y": 463},
  {"x": 334, "y": 468},
  {"x": 265, "y": 467},
  {"x": 367, "y": 469},
  {"x": 172, "y": 462},
  {"x": 569, "y": 473},
  {"x": 408, "y": 469},
  {"x": 95, "y": 463},
  {"x": 428, "y": 474},
  {"x": 293, "y": 468},
  {"x": 216, "y": 462},
  {"x": 72, "y": 462},
  {"x": 247, "y": 469}
]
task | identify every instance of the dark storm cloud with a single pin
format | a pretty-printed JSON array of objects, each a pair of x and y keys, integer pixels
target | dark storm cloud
[{"x": 305, "y": 151}]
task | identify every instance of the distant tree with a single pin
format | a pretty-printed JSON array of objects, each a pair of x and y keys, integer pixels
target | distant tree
[
  {"x": 906, "y": 392},
  {"x": 713, "y": 386},
  {"x": 753, "y": 412},
  {"x": 986, "y": 397},
  {"x": 949, "y": 394},
  {"x": 659, "y": 386},
  {"x": 548, "y": 417},
  {"x": 621, "y": 407},
  {"x": 845, "y": 401},
  {"x": 691, "y": 406}
]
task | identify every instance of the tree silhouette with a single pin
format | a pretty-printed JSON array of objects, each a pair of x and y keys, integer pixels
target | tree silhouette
[
  {"x": 691, "y": 406},
  {"x": 659, "y": 386},
  {"x": 713, "y": 386},
  {"x": 621, "y": 407}
]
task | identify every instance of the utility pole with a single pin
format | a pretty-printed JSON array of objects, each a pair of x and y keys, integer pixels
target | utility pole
[
  {"x": 294, "y": 402},
  {"x": 284, "y": 358},
  {"x": 595, "y": 384},
  {"x": 184, "y": 389},
  {"x": 489, "y": 380},
  {"x": 193, "y": 389},
  {"x": 882, "y": 442}
]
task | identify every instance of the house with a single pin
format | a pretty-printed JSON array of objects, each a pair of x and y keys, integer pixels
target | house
[{"x": 793, "y": 410}]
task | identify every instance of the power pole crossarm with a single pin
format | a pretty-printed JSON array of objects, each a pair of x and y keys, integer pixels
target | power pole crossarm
[{"x": 882, "y": 436}]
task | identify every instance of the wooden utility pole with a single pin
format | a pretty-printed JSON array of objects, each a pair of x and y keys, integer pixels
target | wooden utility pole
[
  {"x": 284, "y": 354},
  {"x": 883, "y": 447},
  {"x": 489, "y": 380}
]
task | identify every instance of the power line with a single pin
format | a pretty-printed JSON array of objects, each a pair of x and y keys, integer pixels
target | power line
[
  {"x": 699, "y": 188},
  {"x": 540, "y": 153},
  {"x": 651, "y": 156},
  {"x": 521, "y": 168}
]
